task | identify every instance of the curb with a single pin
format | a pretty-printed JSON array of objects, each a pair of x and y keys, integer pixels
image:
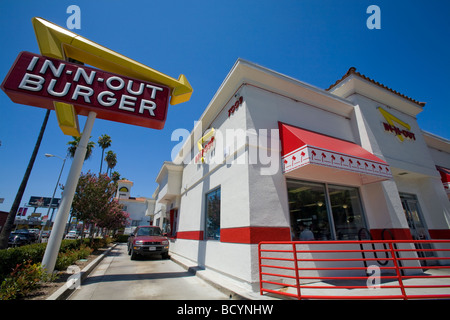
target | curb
[{"x": 64, "y": 292}]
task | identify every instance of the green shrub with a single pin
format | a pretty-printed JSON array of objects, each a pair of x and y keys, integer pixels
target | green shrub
[
  {"x": 21, "y": 269},
  {"x": 25, "y": 278},
  {"x": 84, "y": 252},
  {"x": 10, "y": 258},
  {"x": 70, "y": 251},
  {"x": 68, "y": 245},
  {"x": 65, "y": 259},
  {"x": 68, "y": 258},
  {"x": 122, "y": 238}
]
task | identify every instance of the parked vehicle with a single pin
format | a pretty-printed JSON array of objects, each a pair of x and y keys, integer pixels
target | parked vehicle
[
  {"x": 17, "y": 239},
  {"x": 72, "y": 235},
  {"x": 148, "y": 240},
  {"x": 32, "y": 235},
  {"x": 35, "y": 231},
  {"x": 46, "y": 233}
]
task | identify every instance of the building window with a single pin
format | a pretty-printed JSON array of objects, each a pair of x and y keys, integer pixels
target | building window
[
  {"x": 213, "y": 215},
  {"x": 347, "y": 212},
  {"x": 308, "y": 211},
  {"x": 324, "y": 212},
  {"x": 166, "y": 226}
]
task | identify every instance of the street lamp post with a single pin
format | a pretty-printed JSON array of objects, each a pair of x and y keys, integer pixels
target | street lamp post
[{"x": 48, "y": 155}]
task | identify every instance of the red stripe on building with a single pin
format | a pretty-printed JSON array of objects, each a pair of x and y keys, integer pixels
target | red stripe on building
[
  {"x": 254, "y": 235},
  {"x": 399, "y": 234},
  {"x": 439, "y": 233},
  {"x": 190, "y": 235}
]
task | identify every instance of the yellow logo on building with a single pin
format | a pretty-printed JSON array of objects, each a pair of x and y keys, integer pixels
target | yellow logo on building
[
  {"x": 390, "y": 126},
  {"x": 203, "y": 150}
]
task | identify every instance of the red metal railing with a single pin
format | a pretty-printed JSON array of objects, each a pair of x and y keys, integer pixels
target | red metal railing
[{"x": 381, "y": 269}]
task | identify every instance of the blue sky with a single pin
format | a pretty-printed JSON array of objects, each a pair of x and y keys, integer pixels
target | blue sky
[{"x": 315, "y": 41}]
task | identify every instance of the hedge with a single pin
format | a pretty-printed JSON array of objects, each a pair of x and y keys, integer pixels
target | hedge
[
  {"x": 122, "y": 238},
  {"x": 10, "y": 258}
]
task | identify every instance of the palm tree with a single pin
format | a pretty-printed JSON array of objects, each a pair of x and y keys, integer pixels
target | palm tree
[
  {"x": 115, "y": 176},
  {"x": 111, "y": 159},
  {"x": 74, "y": 144},
  {"x": 104, "y": 142},
  {"x": 9, "y": 224}
]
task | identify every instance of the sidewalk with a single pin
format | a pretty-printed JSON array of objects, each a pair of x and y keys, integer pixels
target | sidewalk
[
  {"x": 64, "y": 292},
  {"x": 386, "y": 289},
  {"x": 237, "y": 291},
  {"x": 230, "y": 287},
  {"x": 118, "y": 277},
  {"x": 223, "y": 284}
]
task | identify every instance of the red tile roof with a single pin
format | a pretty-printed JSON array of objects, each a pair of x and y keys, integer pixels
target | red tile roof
[{"x": 352, "y": 70}]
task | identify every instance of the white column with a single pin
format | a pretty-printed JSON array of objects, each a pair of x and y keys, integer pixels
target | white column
[{"x": 54, "y": 242}]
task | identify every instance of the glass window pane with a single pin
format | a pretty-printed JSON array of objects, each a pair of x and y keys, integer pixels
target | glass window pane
[
  {"x": 347, "y": 212},
  {"x": 308, "y": 211},
  {"x": 213, "y": 215}
]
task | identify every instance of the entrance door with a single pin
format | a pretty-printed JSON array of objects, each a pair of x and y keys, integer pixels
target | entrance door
[
  {"x": 416, "y": 225},
  {"x": 173, "y": 222}
]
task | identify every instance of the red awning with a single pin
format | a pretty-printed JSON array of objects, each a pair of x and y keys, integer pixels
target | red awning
[
  {"x": 445, "y": 177},
  {"x": 302, "y": 147}
]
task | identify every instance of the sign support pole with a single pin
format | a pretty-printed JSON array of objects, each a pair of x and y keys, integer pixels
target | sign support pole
[{"x": 54, "y": 242}]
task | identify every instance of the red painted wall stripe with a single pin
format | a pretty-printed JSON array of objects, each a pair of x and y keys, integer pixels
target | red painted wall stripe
[
  {"x": 190, "y": 235},
  {"x": 439, "y": 233},
  {"x": 405, "y": 234},
  {"x": 254, "y": 235},
  {"x": 399, "y": 234}
]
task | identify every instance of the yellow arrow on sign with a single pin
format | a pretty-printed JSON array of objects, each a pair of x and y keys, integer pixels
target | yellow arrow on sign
[
  {"x": 390, "y": 118},
  {"x": 59, "y": 43}
]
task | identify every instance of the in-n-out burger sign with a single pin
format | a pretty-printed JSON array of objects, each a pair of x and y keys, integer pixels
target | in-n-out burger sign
[
  {"x": 37, "y": 80},
  {"x": 389, "y": 126}
]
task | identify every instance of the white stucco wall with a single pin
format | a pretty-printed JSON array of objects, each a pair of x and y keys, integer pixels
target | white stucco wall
[
  {"x": 412, "y": 163},
  {"x": 412, "y": 155},
  {"x": 250, "y": 198}
]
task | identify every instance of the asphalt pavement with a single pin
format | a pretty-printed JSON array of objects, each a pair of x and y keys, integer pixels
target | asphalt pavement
[{"x": 117, "y": 277}]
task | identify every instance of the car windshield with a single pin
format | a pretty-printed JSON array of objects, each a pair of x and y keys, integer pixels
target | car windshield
[
  {"x": 148, "y": 232},
  {"x": 14, "y": 234}
]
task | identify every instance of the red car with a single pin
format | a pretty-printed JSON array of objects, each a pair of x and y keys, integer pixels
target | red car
[{"x": 148, "y": 240}]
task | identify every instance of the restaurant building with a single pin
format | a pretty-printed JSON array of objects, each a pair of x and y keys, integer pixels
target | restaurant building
[
  {"x": 138, "y": 208},
  {"x": 273, "y": 158}
]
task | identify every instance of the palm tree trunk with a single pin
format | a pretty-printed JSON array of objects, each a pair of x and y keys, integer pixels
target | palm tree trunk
[
  {"x": 9, "y": 224},
  {"x": 101, "y": 161}
]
